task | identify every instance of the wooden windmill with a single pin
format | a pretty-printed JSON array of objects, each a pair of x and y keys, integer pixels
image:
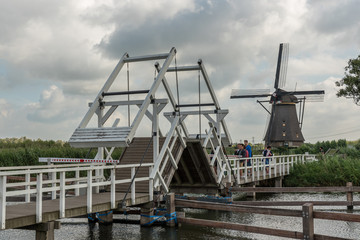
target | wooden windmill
[{"x": 284, "y": 128}]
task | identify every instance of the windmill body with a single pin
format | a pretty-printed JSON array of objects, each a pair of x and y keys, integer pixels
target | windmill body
[{"x": 284, "y": 128}]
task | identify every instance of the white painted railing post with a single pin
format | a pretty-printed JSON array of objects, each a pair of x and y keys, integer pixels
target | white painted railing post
[
  {"x": 263, "y": 167},
  {"x": 27, "y": 187},
  {"x": 275, "y": 166},
  {"x": 39, "y": 198},
  {"x": 62, "y": 195},
  {"x": 151, "y": 186},
  {"x": 257, "y": 168},
  {"x": 246, "y": 170},
  {"x": 269, "y": 166},
  {"x": 113, "y": 189},
  {"x": 97, "y": 175},
  {"x": 77, "y": 176},
  {"x": 53, "y": 184},
  {"x": 89, "y": 191},
  {"x": 288, "y": 164},
  {"x": 237, "y": 171},
  {"x": 2, "y": 201},
  {"x": 292, "y": 161},
  {"x": 133, "y": 186}
]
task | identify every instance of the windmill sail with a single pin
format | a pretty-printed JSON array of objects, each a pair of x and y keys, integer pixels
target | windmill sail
[
  {"x": 250, "y": 93},
  {"x": 281, "y": 68}
]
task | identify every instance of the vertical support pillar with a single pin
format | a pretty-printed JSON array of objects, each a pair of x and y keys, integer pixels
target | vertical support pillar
[
  {"x": 62, "y": 195},
  {"x": 27, "y": 187},
  {"x": 133, "y": 186},
  {"x": 2, "y": 201},
  {"x": 97, "y": 175},
  {"x": 77, "y": 176},
  {"x": 308, "y": 221},
  {"x": 238, "y": 171},
  {"x": 105, "y": 217},
  {"x": 113, "y": 190},
  {"x": 39, "y": 198},
  {"x": 349, "y": 196},
  {"x": 146, "y": 211},
  {"x": 100, "y": 113},
  {"x": 278, "y": 181},
  {"x": 170, "y": 208},
  {"x": 45, "y": 231},
  {"x": 151, "y": 186},
  {"x": 252, "y": 194},
  {"x": 53, "y": 184},
  {"x": 155, "y": 130},
  {"x": 89, "y": 191}
]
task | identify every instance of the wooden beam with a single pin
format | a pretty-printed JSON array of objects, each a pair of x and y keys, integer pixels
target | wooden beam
[
  {"x": 237, "y": 208},
  {"x": 350, "y": 217},
  {"x": 252, "y": 229},
  {"x": 295, "y": 203},
  {"x": 308, "y": 221},
  {"x": 294, "y": 189},
  {"x": 241, "y": 227},
  {"x": 186, "y": 170},
  {"x": 196, "y": 162}
]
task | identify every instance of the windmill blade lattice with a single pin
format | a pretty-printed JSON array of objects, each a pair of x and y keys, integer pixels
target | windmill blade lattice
[{"x": 250, "y": 93}]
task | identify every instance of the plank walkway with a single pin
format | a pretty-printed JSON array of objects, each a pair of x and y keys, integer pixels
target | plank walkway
[{"x": 24, "y": 214}]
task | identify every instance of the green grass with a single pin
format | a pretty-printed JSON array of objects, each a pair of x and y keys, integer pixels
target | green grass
[
  {"x": 24, "y": 152},
  {"x": 330, "y": 171}
]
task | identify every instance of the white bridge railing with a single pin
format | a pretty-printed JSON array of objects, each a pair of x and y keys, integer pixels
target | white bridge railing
[
  {"x": 260, "y": 167},
  {"x": 48, "y": 182}
]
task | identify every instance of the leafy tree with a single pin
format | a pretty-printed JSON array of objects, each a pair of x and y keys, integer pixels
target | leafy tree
[{"x": 351, "y": 81}]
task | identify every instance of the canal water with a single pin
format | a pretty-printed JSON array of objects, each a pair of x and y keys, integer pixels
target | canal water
[{"x": 78, "y": 228}]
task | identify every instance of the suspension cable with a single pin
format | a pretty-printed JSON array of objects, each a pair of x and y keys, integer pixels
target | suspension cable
[
  {"x": 199, "y": 105},
  {"x": 128, "y": 88}
]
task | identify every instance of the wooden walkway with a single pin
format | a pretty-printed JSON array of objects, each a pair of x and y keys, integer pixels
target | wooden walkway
[{"x": 24, "y": 214}]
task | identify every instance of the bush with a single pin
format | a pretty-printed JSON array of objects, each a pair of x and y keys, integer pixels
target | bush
[{"x": 330, "y": 171}]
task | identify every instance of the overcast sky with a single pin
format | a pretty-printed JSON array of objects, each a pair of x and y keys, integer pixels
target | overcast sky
[{"x": 56, "y": 55}]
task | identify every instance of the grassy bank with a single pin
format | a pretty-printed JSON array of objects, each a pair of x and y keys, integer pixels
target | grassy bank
[
  {"x": 330, "y": 171},
  {"x": 23, "y": 151}
]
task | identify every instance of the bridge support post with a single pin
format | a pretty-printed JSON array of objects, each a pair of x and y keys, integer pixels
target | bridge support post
[
  {"x": 350, "y": 196},
  {"x": 308, "y": 221},
  {"x": 252, "y": 194},
  {"x": 278, "y": 182},
  {"x": 105, "y": 217},
  {"x": 146, "y": 211},
  {"x": 44, "y": 231},
  {"x": 170, "y": 208}
]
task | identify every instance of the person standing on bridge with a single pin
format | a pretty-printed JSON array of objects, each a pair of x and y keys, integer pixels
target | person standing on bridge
[
  {"x": 242, "y": 153},
  {"x": 267, "y": 153},
  {"x": 248, "y": 148}
]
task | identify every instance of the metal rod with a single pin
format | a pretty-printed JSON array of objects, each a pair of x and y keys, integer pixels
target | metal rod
[
  {"x": 146, "y": 58},
  {"x": 260, "y": 102},
  {"x": 125, "y": 92},
  {"x": 184, "y": 68},
  {"x": 196, "y": 105}
]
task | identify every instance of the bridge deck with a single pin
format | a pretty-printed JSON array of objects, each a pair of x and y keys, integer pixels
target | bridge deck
[{"x": 21, "y": 215}]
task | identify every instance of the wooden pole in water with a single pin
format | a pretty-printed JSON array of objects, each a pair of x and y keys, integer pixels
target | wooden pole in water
[
  {"x": 308, "y": 221},
  {"x": 350, "y": 196},
  {"x": 170, "y": 208}
]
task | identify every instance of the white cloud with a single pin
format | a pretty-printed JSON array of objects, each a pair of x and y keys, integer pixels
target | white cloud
[{"x": 73, "y": 46}]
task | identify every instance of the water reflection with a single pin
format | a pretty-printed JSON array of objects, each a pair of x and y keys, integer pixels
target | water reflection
[{"x": 78, "y": 228}]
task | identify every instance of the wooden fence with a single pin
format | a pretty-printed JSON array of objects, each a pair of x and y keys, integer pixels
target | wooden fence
[{"x": 307, "y": 214}]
